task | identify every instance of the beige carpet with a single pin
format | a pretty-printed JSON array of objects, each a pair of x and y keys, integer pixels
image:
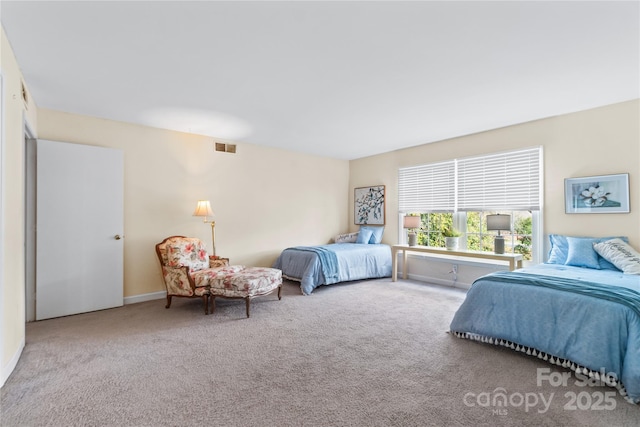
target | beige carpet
[{"x": 371, "y": 353}]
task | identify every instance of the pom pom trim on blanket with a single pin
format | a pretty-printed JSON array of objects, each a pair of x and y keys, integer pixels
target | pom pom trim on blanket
[{"x": 609, "y": 380}]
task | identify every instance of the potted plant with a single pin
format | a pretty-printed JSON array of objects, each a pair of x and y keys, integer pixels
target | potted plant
[{"x": 451, "y": 238}]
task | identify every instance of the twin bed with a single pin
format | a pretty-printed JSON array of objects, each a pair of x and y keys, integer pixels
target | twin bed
[
  {"x": 314, "y": 266},
  {"x": 354, "y": 256},
  {"x": 582, "y": 317}
]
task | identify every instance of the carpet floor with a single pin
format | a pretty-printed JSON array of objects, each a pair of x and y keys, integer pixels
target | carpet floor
[{"x": 368, "y": 353}]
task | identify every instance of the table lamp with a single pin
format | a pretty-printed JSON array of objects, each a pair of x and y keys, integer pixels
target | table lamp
[
  {"x": 498, "y": 223},
  {"x": 411, "y": 223}
]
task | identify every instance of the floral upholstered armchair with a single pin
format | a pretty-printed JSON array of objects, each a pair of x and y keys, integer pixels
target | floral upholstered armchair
[
  {"x": 188, "y": 271},
  {"x": 185, "y": 268}
]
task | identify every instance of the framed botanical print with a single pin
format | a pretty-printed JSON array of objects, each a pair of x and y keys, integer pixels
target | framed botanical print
[
  {"x": 369, "y": 205},
  {"x": 597, "y": 194}
]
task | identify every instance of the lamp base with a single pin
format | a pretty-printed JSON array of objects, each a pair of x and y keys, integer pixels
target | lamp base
[
  {"x": 412, "y": 239},
  {"x": 498, "y": 245}
]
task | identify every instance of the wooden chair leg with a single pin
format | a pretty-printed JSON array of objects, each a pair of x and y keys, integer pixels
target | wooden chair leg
[
  {"x": 279, "y": 292},
  {"x": 248, "y": 303},
  {"x": 213, "y": 303},
  {"x": 206, "y": 304},
  {"x": 168, "y": 301}
]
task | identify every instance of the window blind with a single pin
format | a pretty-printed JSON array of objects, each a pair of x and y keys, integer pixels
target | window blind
[
  {"x": 427, "y": 188},
  {"x": 503, "y": 181}
]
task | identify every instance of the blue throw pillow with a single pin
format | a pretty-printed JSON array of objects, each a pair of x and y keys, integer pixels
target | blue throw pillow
[
  {"x": 376, "y": 236},
  {"x": 604, "y": 264},
  {"x": 560, "y": 250},
  {"x": 364, "y": 236},
  {"x": 581, "y": 253}
]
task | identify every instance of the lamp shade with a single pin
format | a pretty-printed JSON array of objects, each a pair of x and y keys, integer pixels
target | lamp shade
[
  {"x": 498, "y": 222},
  {"x": 203, "y": 208},
  {"x": 411, "y": 221}
]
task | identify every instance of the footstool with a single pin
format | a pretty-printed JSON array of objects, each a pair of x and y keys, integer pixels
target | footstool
[{"x": 238, "y": 281}]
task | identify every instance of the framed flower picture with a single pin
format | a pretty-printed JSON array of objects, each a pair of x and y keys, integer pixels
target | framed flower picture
[
  {"x": 597, "y": 194},
  {"x": 369, "y": 205}
]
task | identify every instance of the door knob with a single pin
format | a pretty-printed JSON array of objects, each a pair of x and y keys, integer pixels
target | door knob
[{"x": 117, "y": 237}]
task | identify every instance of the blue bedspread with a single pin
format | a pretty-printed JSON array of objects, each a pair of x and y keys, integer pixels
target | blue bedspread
[
  {"x": 587, "y": 316},
  {"x": 328, "y": 261},
  {"x": 314, "y": 266}
]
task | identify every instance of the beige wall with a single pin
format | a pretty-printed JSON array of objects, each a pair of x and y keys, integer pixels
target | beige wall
[
  {"x": 601, "y": 141},
  {"x": 264, "y": 199},
  {"x": 12, "y": 290}
]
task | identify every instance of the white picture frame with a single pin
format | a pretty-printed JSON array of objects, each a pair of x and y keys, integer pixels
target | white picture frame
[{"x": 597, "y": 194}]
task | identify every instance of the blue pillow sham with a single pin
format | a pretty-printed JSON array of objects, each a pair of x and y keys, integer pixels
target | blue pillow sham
[
  {"x": 364, "y": 236},
  {"x": 376, "y": 233},
  {"x": 582, "y": 252}
]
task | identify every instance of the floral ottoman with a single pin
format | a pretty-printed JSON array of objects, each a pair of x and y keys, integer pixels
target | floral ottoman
[{"x": 238, "y": 281}]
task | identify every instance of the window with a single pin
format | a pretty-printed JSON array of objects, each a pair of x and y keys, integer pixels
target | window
[
  {"x": 462, "y": 192},
  {"x": 431, "y": 228},
  {"x": 518, "y": 241}
]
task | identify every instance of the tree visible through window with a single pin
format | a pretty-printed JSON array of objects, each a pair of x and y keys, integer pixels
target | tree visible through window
[
  {"x": 432, "y": 227},
  {"x": 474, "y": 229}
]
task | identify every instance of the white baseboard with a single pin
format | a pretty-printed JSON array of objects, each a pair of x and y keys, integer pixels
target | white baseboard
[
  {"x": 7, "y": 370},
  {"x": 145, "y": 297},
  {"x": 439, "y": 281}
]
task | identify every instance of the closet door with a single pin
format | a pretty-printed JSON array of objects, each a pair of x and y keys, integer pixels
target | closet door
[{"x": 79, "y": 228}]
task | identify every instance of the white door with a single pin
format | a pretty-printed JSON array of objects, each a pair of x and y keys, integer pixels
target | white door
[{"x": 79, "y": 228}]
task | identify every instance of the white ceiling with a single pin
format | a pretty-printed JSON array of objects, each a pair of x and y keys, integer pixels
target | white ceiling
[{"x": 338, "y": 79}]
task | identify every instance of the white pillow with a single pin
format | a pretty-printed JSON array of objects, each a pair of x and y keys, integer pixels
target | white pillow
[
  {"x": 620, "y": 254},
  {"x": 346, "y": 238}
]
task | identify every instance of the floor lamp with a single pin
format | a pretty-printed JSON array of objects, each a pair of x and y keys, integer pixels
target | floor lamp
[
  {"x": 498, "y": 223},
  {"x": 203, "y": 208}
]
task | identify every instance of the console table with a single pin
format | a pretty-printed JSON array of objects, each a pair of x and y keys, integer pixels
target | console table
[{"x": 514, "y": 260}]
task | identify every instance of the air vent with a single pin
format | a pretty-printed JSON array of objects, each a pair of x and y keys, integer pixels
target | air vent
[{"x": 225, "y": 148}]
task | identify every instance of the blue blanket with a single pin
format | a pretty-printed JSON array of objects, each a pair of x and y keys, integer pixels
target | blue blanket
[
  {"x": 586, "y": 316},
  {"x": 621, "y": 295},
  {"x": 328, "y": 262}
]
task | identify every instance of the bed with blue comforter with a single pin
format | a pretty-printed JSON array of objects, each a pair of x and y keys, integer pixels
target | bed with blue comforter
[
  {"x": 584, "y": 319},
  {"x": 314, "y": 266}
]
